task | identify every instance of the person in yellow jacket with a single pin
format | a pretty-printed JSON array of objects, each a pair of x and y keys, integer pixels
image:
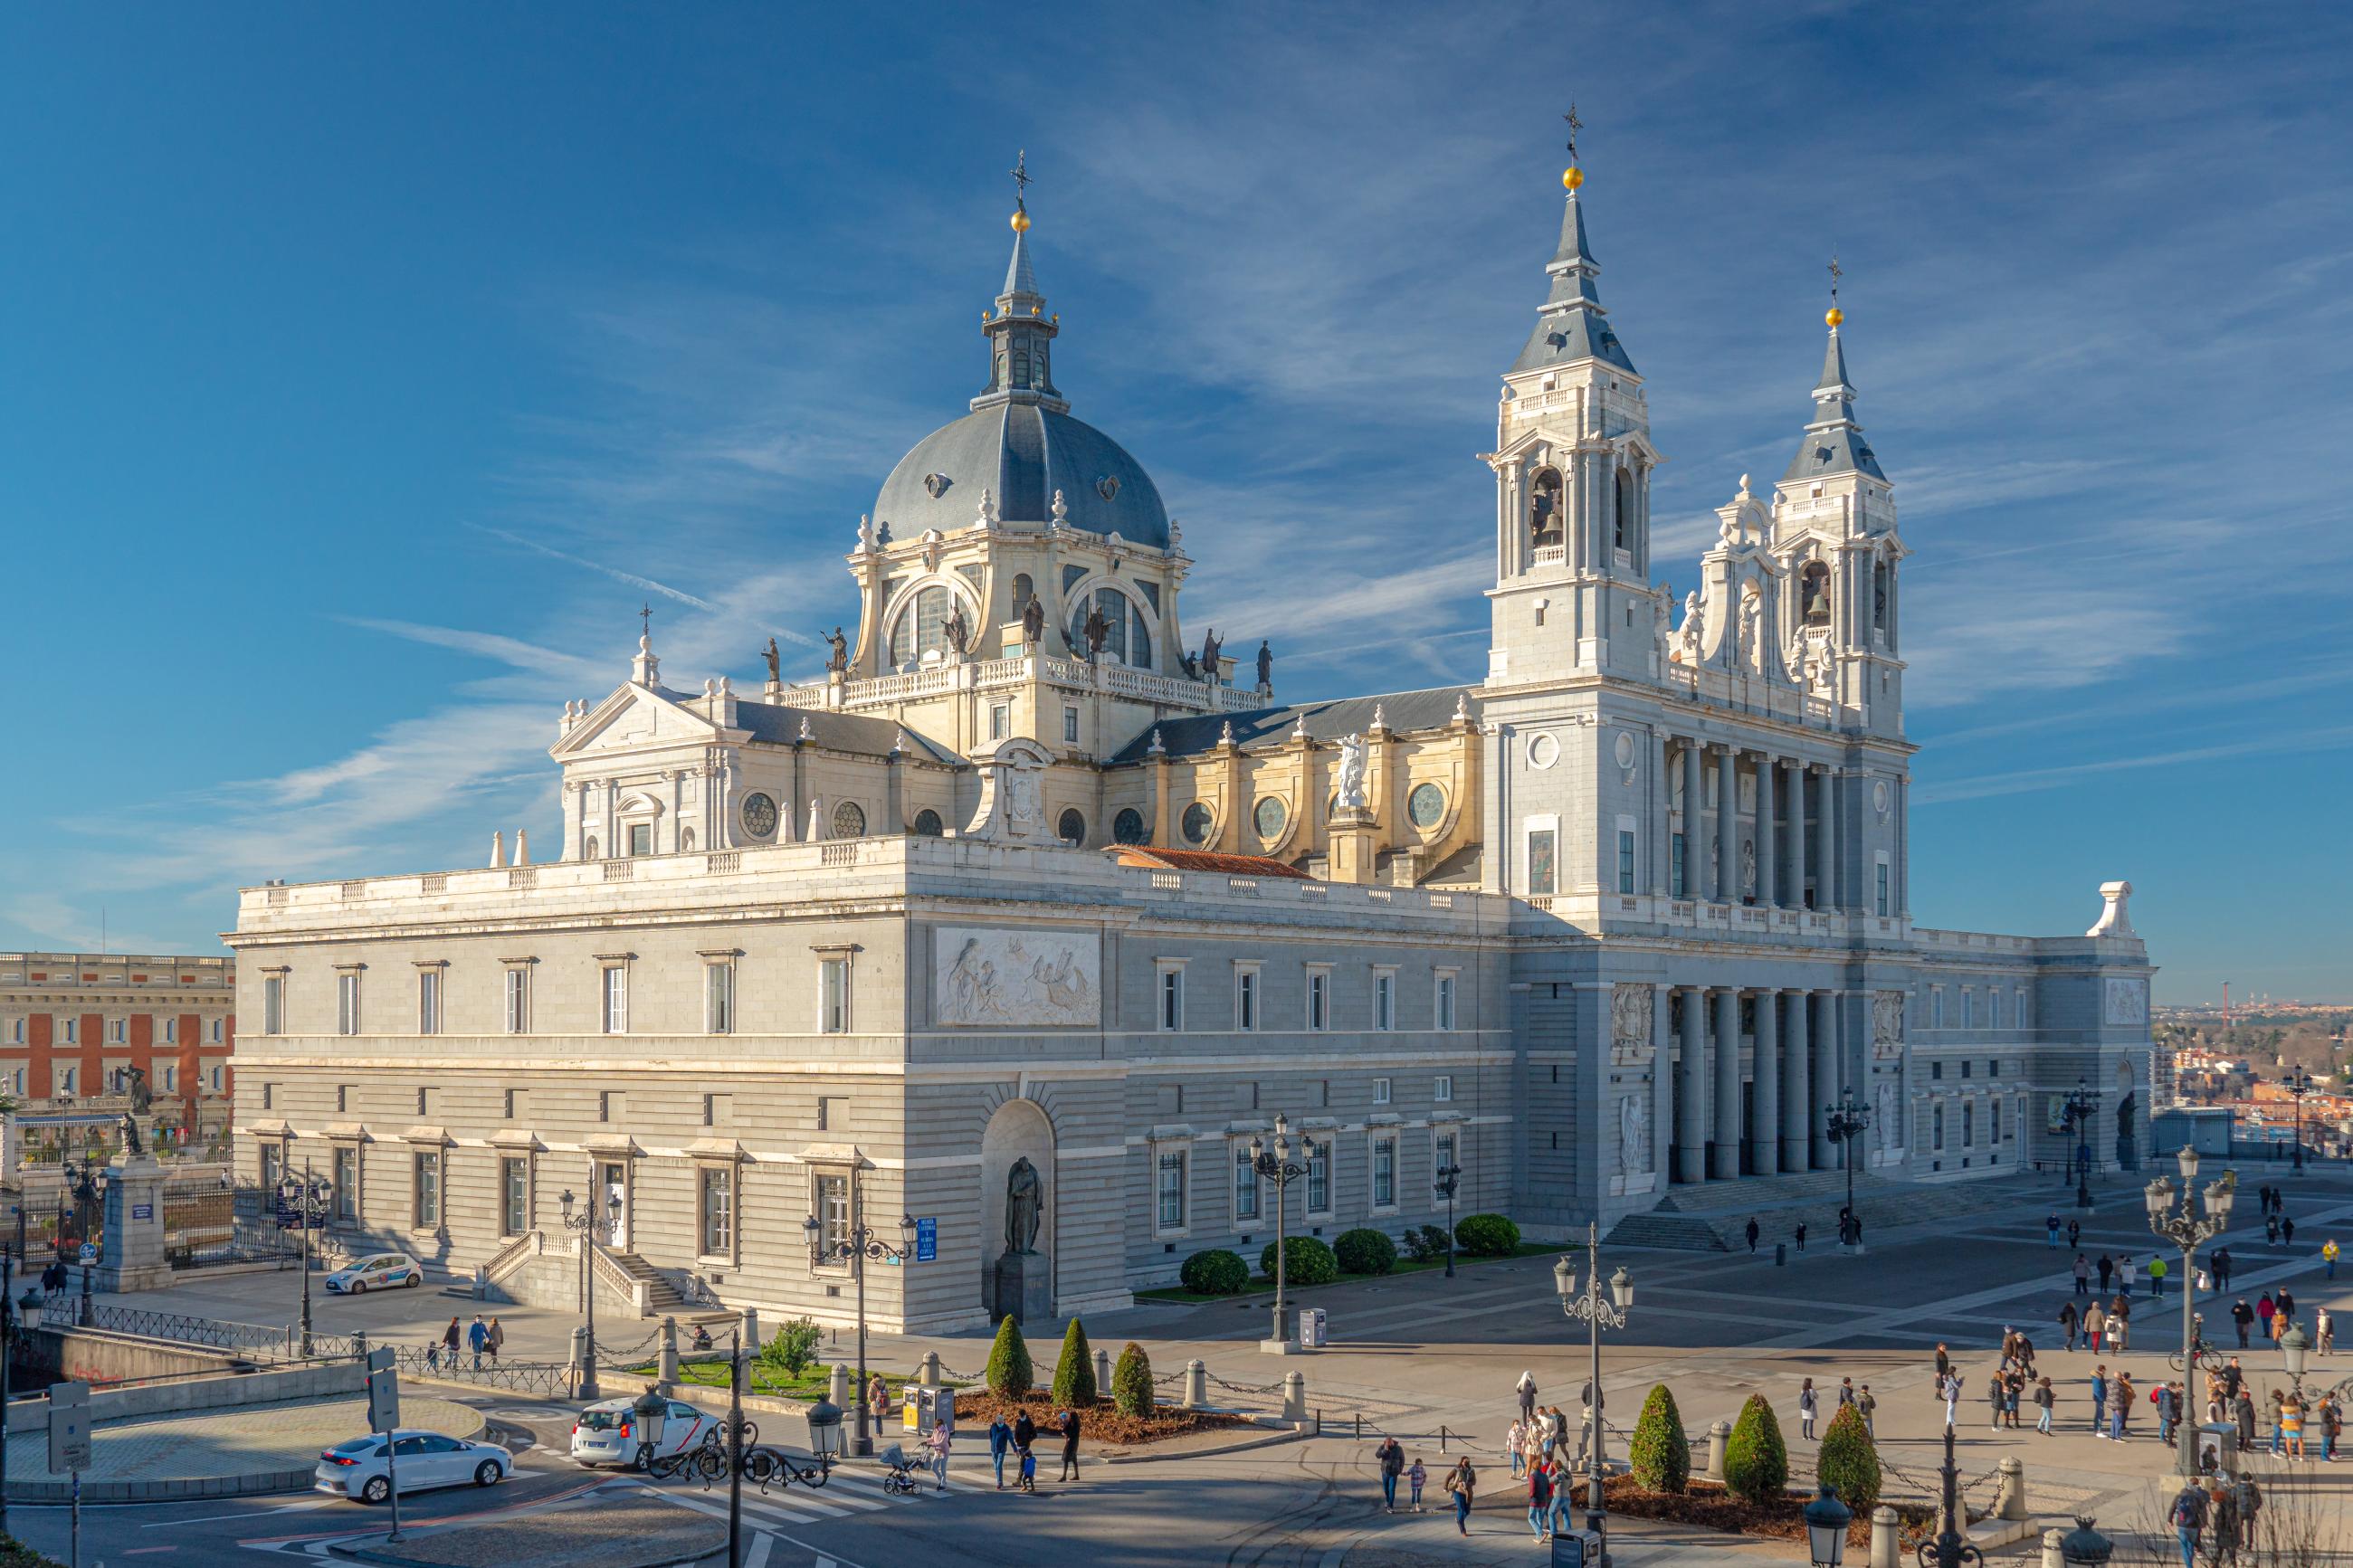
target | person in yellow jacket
[{"x": 2329, "y": 1255}]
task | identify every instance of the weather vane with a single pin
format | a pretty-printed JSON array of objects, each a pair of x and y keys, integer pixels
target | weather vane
[
  {"x": 645, "y": 620},
  {"x": 1021, "y": 177},
  {"x": 1574, "y": 125},
  {"x": 1836, "y": 273}
]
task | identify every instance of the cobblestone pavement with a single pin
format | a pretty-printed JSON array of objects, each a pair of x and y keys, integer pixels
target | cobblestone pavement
[
  {"x": 215, "y": 1443},
  {"x": 632, "y": 1532}
]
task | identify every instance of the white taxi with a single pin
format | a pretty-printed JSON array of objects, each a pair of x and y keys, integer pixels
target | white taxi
[{"x": 381, "y": 1272}]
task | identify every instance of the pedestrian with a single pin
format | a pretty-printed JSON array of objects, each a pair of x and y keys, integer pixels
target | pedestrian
[
  {"x": 1997, "y": 1387},
  {"x": 2044, "y": 1401},
  {"x": 1943, "y": 1363},
  {"x": 2083, "y": 1275},
  {"x": 2233, "y": 1377},
  {"x": 937, "y": 1440},
  {"x": 449, "y": 1343},
  {"x": 1562, "y": 1518},
  {"x": 1846, "y": 1392},
  {"x": 2187, "y": 1517},
  {"x": 2094, "y": 1323},
  {"x": 1527, "y": 1396},
  {"x": 2243, "y": 1416},
  {"x": 1752, "y": 1232},
  {"x": 2156, "y": 1272},
  {"x": 2119, "y": 1322},
  {"x": 2099, "y": 1397},
  {"x": 1539, "y": 1501},
  {"x": 1863, "y": 1406},
  {"x": 2074, "y": 1234},
  {"x": 494, "y": 1337},
  {"x": 2165, "y": 1399},
  {"x": 1809, "y": 1407},
  {"x": 2292, "y": 1418},
  {"x": 2051, "y": 1229},
  {"x": 2222, "y": 1262},
  {"x": 1392, "y": 1464},
  {"x": 2271, "y": 1230},
  {"x": 1461, "y": 1483},
  {"x": 1515, "y": 1440},
  {"x": 1415, "y": 1475},
  {"x": 2265, "y": 1310},
  {"x": 1950, "y": 1387},
  {"x": 1802, "y": 1242},
  {"x": 2279, "y": 1425},
  {"x": 2332, "y": 1426},
  {"x": 1025, "y": 1449},
  {"x": 2107, "y": 1268},
  {"x": 2012, "y": 1386},
  {"x": 1069, "y": 1445},
  {"x": 2324, "y": 1331},
  {"x": 2329, "y": 1255},
  {"x": 1000, "y": 1442},
  {"x": 2242, "y": 1316},
  {"x": 2125, "y": 1274},
  {"x": 876, "y": 1397},
  {"x": 476, "y": 1333},
  {"x": 2283, "y": 1309},
  {"x": 2068, "y": 1320},
  {"x": 2120, "y": 1398},
  {"x": 433, "y": 1354}
]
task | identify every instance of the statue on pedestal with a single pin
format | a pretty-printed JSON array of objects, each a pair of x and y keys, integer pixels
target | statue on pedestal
[{"x": 1022, "y": 1200}]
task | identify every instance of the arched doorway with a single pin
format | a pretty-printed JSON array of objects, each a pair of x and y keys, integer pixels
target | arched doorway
[{"x": 1017, "y": 1271}]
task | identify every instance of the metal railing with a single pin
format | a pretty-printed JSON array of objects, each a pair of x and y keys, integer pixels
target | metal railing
[{"x": 549, "y": 1379}]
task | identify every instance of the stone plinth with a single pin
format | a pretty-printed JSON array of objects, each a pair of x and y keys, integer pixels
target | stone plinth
[
  {"x": 1022, "y": 1284},
  {"x": 1354, "y": 840},
  {"x": 134, "y": 1227}
]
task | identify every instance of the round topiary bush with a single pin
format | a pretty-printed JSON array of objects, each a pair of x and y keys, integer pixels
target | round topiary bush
[
  {"x": 1487, "y": 1235},
  {"x": 1215, "y": 1272},
  {"x": 1755, "y": 1461},
  {"x": 1660, "y": 1454},
  {"x": 1074, "y": 1374},
  {"x": 1365, "y": 1251},
  {"x": 1009, "y": 1372},
  {"x": 1306, "y": 1261},
  {"x": 1131, "y": 1382},
  {"x": 1848, "y": 1461}
]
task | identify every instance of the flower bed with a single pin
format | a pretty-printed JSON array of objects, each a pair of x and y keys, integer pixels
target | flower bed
[
  {"x": 1098, "y": 1423},
  {"x": 1710, "y": 1506}
]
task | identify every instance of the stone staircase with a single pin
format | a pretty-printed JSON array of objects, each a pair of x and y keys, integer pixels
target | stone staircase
[
  {"x": 658, "y": 1297},
  {"x": 1714, "y": 1217}
]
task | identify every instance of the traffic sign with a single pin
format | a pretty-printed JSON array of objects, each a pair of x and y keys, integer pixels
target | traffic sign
[
  {"x": 384, "y": 1392},
  {"x": 927, "y": 1240},
  {"x": 68, "y": 1428},
  {"x": 89, "y": 1253}
]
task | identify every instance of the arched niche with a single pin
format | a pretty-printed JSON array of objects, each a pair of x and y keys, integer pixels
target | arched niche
[{"x": 1018, "y": 1130}]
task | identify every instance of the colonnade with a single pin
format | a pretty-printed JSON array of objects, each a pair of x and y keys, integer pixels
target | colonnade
[
  {"x": 1797, "y": 1068},
  {"x": 1787, "y": 788}
]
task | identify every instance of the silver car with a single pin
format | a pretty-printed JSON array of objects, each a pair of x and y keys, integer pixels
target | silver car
[{"x": 363, "y": 1469}]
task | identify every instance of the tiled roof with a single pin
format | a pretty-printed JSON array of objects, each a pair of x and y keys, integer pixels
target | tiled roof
[
  {"x": 1404, "y": 711},
  {"x": 776, "y": 725},
  {"x": 1203, "y": 860}
]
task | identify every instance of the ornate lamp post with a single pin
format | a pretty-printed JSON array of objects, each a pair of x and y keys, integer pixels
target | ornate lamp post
[
  {"x": 594, "y": 1224},
  {"x": 307, "y": 1198},
  {"x": 87, "y": 1179},
  {"x": 1274, "y": 1165},
  {"x": 1450, "y": 1177},
  {"x": 1597, "y": 1312},
  {"x": 2295, "y": 1345},
  {"x": 1826, "y": 1523},
  {"x": 2187, "y": 1231},
  {"x": 2084, "y": 1547},
  {"x": 1950, "y": 1547},
  {"x": 2077, "y": 1118},
  {"x": 1845, "y": 1123},
  {"x": 857, "y": 1247},
  {"x": 2298, "y": 1083}
]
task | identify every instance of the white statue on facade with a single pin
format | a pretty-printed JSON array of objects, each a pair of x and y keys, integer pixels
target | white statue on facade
[
  {"x": 1694, "y": 629},
  {"x": 1663, "y": 614},
  {"x": 1351, "y": 781},
  {"x": 1634, "y": 1134},
  {"x": 1752, "y": 609},
  {"x": 1748, "y": 864}
]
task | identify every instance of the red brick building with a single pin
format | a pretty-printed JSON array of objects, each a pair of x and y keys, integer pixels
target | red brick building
[{"x": 73, "y": 1025}]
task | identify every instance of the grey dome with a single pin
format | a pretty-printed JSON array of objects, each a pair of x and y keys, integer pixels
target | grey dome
[{"x": 1021, "y": 454}]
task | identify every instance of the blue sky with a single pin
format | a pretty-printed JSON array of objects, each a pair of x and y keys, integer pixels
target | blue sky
[{"x": 362, "y": 368}]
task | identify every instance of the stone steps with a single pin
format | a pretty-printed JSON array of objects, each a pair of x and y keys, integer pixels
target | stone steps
[{"x": 1675, "y": 1232}]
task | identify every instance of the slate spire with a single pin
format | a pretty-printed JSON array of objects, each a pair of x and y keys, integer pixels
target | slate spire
[{"x": 1833, "y": 442}]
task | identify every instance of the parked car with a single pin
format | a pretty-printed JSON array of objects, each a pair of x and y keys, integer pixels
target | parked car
[
  {"x": 377, "y": 1273},
  {"x": 606, "y": 1431},
  {"x": 363, "y": 1470}
]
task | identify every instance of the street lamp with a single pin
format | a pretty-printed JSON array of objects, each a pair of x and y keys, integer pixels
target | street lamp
[
  {"x": 1274, "y": 1165},
  {"x": 2295, "y": 1346},
  {"x": 650, "y": 1411},
  {"x": 1597, "y": 1312},
  {"x": 88, "y": 1178},
  {"x": 1845, "y": 1123},
  {"x": 2187, "y": 1231},
  {"x": 1950, "y": 1547},
  {"x": 1450, "y": 1177},
  {"x": 856, "y": 1248},
  {"x": 1826, "y": 1523},
  {"x": 2298, "y": 1083},
  {"x": 308, "y": 1197},
  {"x": 594, "y": 1224},
  {"x": 2076, "y": 1117}
]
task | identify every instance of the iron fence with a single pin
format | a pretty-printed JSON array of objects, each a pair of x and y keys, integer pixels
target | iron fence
[{"x": 548, "y": 1379}]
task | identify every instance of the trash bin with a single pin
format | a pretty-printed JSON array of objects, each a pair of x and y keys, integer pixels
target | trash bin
[
  {"x": 1314, "y": 1329},
  {"x": 921, "y": 1407},
  {"x": 1576, "y": 1549}
]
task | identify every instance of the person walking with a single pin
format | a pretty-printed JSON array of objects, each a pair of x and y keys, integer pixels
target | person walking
[
  {"x": 1943, "y": 1363},
  {"x": 2074, "y": 1234},
  {"x": 1392, "y": 1462},
  {"x": 2107, "y": 1268},
  {"x": 2243, "y": 1318},
  {"x": 2332, "y": 1428},
  {"x": 1024, "y": 1444},
  {"x": 1070, "y": 1446},
  {"x": 449, "y": 1343},
  {"x": 2283, "y": 1309},
  {"x": 476, "y": 1334},
  {"x": 2221, "y": 1262},
  {"x": 936, "y": 1442},
  {"x": 1415, "y": 1475},
  {"x": 876, "y": 1397},
  {"x": 1539, "y": 1501},
  {"x": 2125, "y": 1272},
  {"x": 1461, "y": 1483},
  {"x": 1752, "y": 1232},
  {"x": 2187, "y": 1517},
  {"x": 493, "y": 1338},
  {"x": 2157, "y": 1270},
  {"x": 1527, "y": 1396},
  {"x": 1950, "y": 1387},
  {"x": 2119, "y": 1322},
  {"x": 1515, "y": 1441},
  {"x": 2099, "y": 1398},
  {"x": 2271, "y": 1229},
  {"x": 1864, "y": 1403},
  {"x": 2329, "y": 1255},
  {"x": 2045, "y": 1401},
  {"x": 2242, "y": 1414},
  {"x": 2168, "y": 1404},
  {"x": 1801, "y": 1236},
  {"x": 1000, "y": 1442},
  {"x": 1809, "y": 1407},
  {"x": 2068, "y": 1320},
  {"x": 1997, "y": 1387},
  {"x": 2120, "y": 1399},
  {"x": 2094, "y": 1322},
  {"x": 2051, "y": 1229},
  {"x": 2324, "y": 1331},
  {"x": 1562, "y": 1520},
  {"x": 2083, "y": 1275},
  {"x": 2279, "y": 1426},
  {"x": 2265, "y": 1309}
]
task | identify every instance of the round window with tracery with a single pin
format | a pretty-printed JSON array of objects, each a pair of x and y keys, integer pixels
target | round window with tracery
[
  {"x": 849, "y": 820},
  {"x": 1072, "y": 828},
  {"x": 1270, "y": 817},
  {"x": 759, "y": 815},
  {"x": 1127, "y": 827},
  {"x": 927, "y": 823},
  {"x": 1426, "y": 805},
  {"x": 1197, "y": 822}
]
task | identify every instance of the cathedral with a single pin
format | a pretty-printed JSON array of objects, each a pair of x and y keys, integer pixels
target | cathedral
[{"x": 1026, "y": 921}]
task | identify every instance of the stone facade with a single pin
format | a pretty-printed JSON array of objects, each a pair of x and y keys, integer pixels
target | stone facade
[
  {"x": 1629, "y": 913},
  {"x": 74, "y": 1027}
]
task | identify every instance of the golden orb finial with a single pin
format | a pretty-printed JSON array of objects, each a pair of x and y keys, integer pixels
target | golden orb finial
[
  {"x": 1572, "y": 177},
  {"x": 1020, "y": 220},
  {"x": 1834, "y": 317}
]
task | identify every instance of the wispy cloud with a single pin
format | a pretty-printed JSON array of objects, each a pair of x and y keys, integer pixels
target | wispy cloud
[
  {"x": 507, "y": 650},
  {"x": 617, "y": 573},
  {"x": 2024, "y": 780}
]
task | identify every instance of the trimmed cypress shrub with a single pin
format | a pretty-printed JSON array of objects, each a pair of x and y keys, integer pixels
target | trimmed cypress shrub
[
  {"x": 1848, "y": 1461},
  {"x": 1487, "y": 1235},
  {"x": 1660, "y": 1455},
  {"x": 1008, "y": 1370},
  {"x": 1131, "y": 1382},
  {"x": 1306, "y": 1261},
  {"x": 1074, "y": 1374},
  {"x": 1365, "y": 1251},
  {"x": 1215, "y": 1272},
  {"x": 1756, "y": 1460}
]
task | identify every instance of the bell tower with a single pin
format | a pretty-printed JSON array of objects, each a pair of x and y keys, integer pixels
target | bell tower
[{"x": 1573, "y": 464}]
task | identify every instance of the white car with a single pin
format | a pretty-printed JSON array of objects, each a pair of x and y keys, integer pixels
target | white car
[
  {"x": 606, "y": 1431},
  {"x": 362, "y": 1470},
  {"x": 380, "y": 1272}
]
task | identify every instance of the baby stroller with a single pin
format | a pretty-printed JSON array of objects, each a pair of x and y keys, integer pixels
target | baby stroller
[{"x": 901, "y": 1482}]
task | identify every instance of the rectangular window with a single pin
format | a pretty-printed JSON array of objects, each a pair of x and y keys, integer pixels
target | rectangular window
[
  {"x": 1882, "y": 888},
  {"x": 1936, "y": 1070},
  {"x": 1319, "y": 996},
  {"x": 833, "y": 995},
  {"x": 1319, "y": 1179},
  {"x": 718, "y": 998},
  {"x": 171, "y": 1031},
  {"x": 70, "y": 1031},
  {"x": 118, "y": 1031},
  {"x": 833, "y": 1217},
  {"x": 833, "y": 1113},
  {"x": 1172, "y": 1000},
  {"x": 604, "y": 1105},
  {"x": 1246, "y": 998},
  {"x": 1542, "y": 872},
  {"x": 347, "y": 1002},
  {"x": 614, "y": 1004},
  {"x": 1993, "y": 1068},
  {"x": 65, "y": 1081},
  {"x": 1965, "y": 1068},
  {"x": 718, "y": 1211},
  {"x": 1681, "y": 891},
  {"x": 1000, "y": 720},
  {"x": 16, "y": 1031},
  {"x": 1442, "y": 1088},
  {"x": 420, "y": 1104},
  {"x": 1968, "y": 1008},
  {"x": 514, "y": 1197},
  {"x": 269, "y": 1168},
  {"x": 1446, "y": 1002},
  {"x": 219, "y": 1073},
  {"x": 1245, "y": 1186},
  {"x": 347, "y": 1184},
  {"x": 518, "y": 1000},
  {"x": 1993, "y": 1121},
  {"x": 641, "y": 838},
  {"x": 268, "y": 1093},
  {"x": 1071, "y": 726},
  {"x": 1968, "y": 1123},
  {"x": 429, "y": 1188},
  {"x": 171, "y": 1080},
  {"x": 1937, "y": 1007},
  {"x": 215, "y": 1033},
  {"x": 1383, "y": 1173},
  {"x": 428, "y": 1001},
  {"x": 1170, "y": 1214},
  {"x": 1384, "y": 1000},
  {"x": 1625, "y": 860},
  {"x": 1380, "y": 1091}
]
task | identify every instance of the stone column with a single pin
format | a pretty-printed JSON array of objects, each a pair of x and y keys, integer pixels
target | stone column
[
  {"x": 1798, "y": 1112},
  {"x": 1764, "y": 1136},
  {"x": 1690, "y": 1084},
  {"x": 1768, "y": 890},
  {"x": 1826, "y": 876},
  {"x": 1659, "y": 849},
  {"x": 1797, "y": 862},
  {"x": 1824, "y": 1071},
  {"x": 1724, "y": 1154},
  {"x": 1727, "y": 826},
  {"x": 1695, "y": 837}
]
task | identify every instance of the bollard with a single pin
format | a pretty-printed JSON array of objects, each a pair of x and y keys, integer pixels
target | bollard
[
  {"x": 1781, "y": 1253},
  {"x": 579, "y": 1354},
  {"x": 1294, "y": 1399},
  {"x": 2009, "y": 1492},
  {"x": 1885, "y": 1551},
  {"x": 2053, "y": 1554},
  {"x": 751, "y": 1330},
  {"x": 929, "y": 1374},
  {"x": 837, "y": 1387},
  {"x": 1717, "y": 1436},
  {"x": 1197, "y": 1385},
  {"x": 360, "y": 1346},
  {"x": 1103, "y": 1373},
  {"x": 666, "y": 1370}
]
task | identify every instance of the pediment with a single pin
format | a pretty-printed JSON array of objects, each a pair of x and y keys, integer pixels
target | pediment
[{"x": 631, "y": 718}]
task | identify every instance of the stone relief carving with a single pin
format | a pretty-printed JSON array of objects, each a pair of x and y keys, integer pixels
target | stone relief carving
[
  {"x": 1887, "y": 1017},
  {"x": 1630, "y": 1013},
  {"x": 1007, "y": 977},
  {"x": 2127, "y": 1000},
  {"x": 1891, "y": 1130},
  {"x": 1634, "y": 1134}
]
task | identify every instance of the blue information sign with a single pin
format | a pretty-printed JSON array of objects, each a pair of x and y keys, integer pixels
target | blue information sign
[
  {"x": 927, "y": 1240},
  {"x": 143, "y": 1211}
]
